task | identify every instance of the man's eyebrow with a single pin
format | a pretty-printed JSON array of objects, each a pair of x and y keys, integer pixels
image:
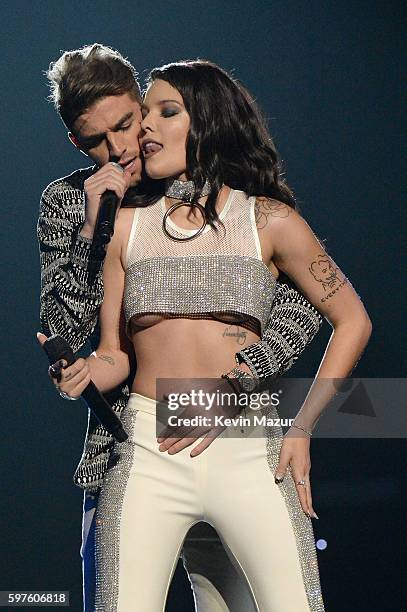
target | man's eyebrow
[
  {"x": 115, "y": 128},
  {"x": 125, "y": 118}
]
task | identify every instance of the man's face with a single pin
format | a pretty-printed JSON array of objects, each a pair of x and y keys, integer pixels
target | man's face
[{"x": 108, "y": 131}]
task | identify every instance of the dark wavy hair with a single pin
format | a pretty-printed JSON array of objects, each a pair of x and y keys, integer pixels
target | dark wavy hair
[{"x": 228, "y": 141}]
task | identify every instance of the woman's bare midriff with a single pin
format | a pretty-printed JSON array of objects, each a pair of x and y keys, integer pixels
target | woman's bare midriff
[
  {"x": 179, "y": 348},
  {"x": 186, "y": 349}
]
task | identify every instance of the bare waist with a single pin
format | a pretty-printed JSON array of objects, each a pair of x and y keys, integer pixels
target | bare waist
[{"x": 186, "y": 349}]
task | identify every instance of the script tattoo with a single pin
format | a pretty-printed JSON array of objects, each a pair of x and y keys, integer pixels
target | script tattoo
[
  {"x": 328, "y": 275},
  {"x": 107, "y": 358},
  {"x": 265, "y": 208},
  {"x": 240, "y": 335}
]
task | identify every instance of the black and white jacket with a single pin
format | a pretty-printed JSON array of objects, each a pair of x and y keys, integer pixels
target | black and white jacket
[{"x": 70, "y": 303}]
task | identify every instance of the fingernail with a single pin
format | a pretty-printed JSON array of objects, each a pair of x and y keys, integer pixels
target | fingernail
[{"x": 315, "y": 515}]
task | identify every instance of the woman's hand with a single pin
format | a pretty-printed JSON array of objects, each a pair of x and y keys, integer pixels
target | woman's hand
[
  {"x": 295, "y": 451},
  {"x": 71, "y": 380}
]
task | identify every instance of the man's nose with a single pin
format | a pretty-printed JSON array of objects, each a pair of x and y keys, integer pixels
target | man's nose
[{"x": 116, "y": 144}]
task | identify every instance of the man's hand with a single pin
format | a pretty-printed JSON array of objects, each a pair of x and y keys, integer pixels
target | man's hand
[
  {"x": 110, "y": 177},
  {"x": 174, "y": 439}
]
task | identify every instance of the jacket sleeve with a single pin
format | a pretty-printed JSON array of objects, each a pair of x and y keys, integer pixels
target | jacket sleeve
[
  {"x": 69, "y": 301},
  {"x": 292, "y": 324}
]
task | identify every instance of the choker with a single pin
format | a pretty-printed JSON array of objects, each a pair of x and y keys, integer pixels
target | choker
[{"x": 184, "y": 190}]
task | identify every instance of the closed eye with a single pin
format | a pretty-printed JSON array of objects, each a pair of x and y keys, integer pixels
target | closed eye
[{"x": 169, "y": 112}]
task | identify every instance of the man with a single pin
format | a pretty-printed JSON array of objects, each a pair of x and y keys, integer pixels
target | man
[{"x": 96, "y": 93}]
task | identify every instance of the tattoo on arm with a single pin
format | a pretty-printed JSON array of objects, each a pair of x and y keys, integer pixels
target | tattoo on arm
[
  {"x": 265, "y": 208},
  {"x": 107, "y": 358},
  {"x": 328, "y": 275}
]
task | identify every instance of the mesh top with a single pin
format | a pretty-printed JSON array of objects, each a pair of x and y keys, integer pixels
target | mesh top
[{"x": 217, "y": 275}]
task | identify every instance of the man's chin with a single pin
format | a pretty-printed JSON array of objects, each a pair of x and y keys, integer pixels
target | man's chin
[{"x": 135, "y": 178}]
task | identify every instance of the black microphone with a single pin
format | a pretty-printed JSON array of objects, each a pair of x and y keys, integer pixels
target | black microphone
[
  {"x": 109, "y": 202},
  {"x": 107, "y": 214},
  {"x": 57, "y": 348},
  {"x": 103, "y": 233}
]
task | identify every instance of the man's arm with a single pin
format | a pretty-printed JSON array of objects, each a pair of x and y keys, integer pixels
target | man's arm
[
  {"x": 69, "y": 299},
  {"x": 292, "y": 324}
]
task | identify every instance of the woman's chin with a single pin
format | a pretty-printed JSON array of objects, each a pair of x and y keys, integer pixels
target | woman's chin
[
  {"x": 155, "y": 174},
  {"x": 159, "y": 172}
]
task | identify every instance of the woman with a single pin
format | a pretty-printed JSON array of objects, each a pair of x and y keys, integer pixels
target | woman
[{"x": 187, "y": 291}]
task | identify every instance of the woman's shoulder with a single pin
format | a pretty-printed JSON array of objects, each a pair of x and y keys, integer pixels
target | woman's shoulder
[
  {"x": 272, "y": 206},
  {"x": 124, "y": 221},
  {"x": 270, "y": 212},
  {"x": 122, "y": 228},
  {"x": 125, "y": 215},
  {"x": 265, "y": 205}
]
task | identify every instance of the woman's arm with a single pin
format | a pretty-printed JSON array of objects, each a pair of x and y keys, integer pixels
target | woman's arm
[
  {"x": 297, "y": 252},
  {"x": 112, "y": 361}
]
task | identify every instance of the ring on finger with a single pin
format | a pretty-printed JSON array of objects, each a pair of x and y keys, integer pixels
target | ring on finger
[
  {"x": 66, "y": 396},
  {"x": 54, "y": 371},
  {"x": 301, "y": 482},
  {"x": 118, "y": 166}
]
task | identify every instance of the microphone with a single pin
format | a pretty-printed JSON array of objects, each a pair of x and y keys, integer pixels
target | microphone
[
  {"x": 107, "y": 214},
  {"x": 57, "y": 348},
  {"x": 104, "y": 229}
]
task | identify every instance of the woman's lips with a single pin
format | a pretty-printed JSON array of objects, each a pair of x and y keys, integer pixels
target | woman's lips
[{"x": 151, "y": 148}]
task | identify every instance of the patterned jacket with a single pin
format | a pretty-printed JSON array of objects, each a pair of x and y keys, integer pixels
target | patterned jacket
[{"x": 70, "y": 303}]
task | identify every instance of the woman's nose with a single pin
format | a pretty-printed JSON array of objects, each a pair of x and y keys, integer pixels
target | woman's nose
[{"x": 147, "y": 124}]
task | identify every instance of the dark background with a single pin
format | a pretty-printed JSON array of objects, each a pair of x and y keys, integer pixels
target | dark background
[{"x": 328, "y": 76}]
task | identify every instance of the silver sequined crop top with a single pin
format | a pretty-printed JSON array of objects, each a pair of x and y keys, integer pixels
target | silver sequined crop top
[{"x": 220, "y": 273}]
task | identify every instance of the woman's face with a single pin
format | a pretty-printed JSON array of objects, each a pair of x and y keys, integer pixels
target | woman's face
[{"x": 164, "y": 132}]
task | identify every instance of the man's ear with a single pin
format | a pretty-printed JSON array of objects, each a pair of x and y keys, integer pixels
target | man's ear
[{"x": 75, "y": 142}]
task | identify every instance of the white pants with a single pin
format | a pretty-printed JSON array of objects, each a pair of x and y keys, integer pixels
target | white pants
[
  {"x": 150, "y": 500},
  {"x": 216, "y": 583}
]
